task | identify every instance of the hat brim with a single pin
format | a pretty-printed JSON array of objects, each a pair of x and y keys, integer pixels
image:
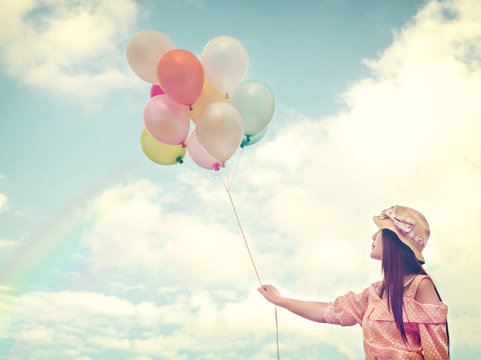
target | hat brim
[{"x": 388, "y": 224}]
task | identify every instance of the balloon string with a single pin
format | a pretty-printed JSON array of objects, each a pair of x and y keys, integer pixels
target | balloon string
[
  {"x": 277, "y": 332},
  {"x": 243, "y": 235},
  {"x": 253, "y": 263},
  {"x": 235, "y": 170}
]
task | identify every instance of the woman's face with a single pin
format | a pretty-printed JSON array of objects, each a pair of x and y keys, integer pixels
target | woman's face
[{"x": 376, "y": 252}]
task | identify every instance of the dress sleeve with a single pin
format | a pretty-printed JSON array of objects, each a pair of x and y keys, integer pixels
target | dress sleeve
[
  {"x": 434, "y": 341},
  {"x": 347, "y": 310}
]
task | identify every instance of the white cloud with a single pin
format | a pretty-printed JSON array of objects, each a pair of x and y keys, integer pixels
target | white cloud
[
  {"x": 6, "y": 249},
  {"x": 121, "y": 287},
  {"x": 132, "y": 230},
  {"x": 3, "y": 202},
  {"x": 74, "y": 48},
  {"x": 86, "y": 323},
  {"x": 4, "y": 243}
]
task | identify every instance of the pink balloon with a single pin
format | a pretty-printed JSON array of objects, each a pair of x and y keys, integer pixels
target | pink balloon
[
  {"x": 156, "y": 90},
  {"x": 181, "y": 76},
  {"x": 199, "y": 154},
  {"x": 166, "y": 120}
]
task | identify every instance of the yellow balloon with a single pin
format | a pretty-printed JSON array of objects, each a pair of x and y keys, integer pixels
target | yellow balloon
[
  {"x": 160, "y": 153},
  {"x": 208, "y": 95}
]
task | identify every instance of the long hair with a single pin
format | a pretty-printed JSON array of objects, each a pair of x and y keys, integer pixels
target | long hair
[{"x": 399, "y": 260}]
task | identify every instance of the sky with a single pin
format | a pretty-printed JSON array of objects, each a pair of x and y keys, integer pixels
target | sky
[{"x": 105, "y": 254}]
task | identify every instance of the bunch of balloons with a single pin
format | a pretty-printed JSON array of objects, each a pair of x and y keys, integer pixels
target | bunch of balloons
[{"x": 228, "y": 113}]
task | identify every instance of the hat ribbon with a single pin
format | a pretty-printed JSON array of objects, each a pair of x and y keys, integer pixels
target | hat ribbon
[{"x": 403, "y": 223}]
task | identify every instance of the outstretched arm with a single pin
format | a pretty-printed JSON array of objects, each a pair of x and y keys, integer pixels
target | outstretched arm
[{"x": 311, "y": 310}]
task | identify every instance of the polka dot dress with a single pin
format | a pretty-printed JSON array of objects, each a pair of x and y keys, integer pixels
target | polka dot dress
[{"x": 425, "y": 324}]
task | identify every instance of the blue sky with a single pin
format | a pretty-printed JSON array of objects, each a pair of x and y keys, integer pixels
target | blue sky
[{"x": 376, "y": 105}]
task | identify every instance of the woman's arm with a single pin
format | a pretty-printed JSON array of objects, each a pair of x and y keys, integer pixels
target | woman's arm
[{"x": 311, "y": 310}]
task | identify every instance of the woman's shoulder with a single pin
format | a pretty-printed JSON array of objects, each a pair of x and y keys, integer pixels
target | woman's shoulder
[
  {"x": 423, "y": 304},
  {"x": 425, "y": 292}
]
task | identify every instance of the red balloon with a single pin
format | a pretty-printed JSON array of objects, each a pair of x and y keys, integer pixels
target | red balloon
[{"x": 181, "y": 76}]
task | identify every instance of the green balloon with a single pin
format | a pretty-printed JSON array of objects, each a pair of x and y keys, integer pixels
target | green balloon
[
  {"x": 160, "y": 153},
  {"x": 256, "y": 103}
]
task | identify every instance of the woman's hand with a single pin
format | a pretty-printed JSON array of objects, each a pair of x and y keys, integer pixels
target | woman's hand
[
  {"x": 312, "y": 310},
  {"x": 271, "y": 294}
]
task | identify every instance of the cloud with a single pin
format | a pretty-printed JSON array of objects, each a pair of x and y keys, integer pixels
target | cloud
[
  {"x": 133, "y": 227},
  {"x": 44, "y": 324},
  {"x": 74, "y": 48},
  {"x": 7, "y": 248},
  {"x": 3, "y": 202},
  {"x": 4, "y": 243}
]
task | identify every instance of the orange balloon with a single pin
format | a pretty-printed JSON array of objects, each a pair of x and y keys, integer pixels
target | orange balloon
[
  {"x": 208, "y": 95},
  {"x": 181, "y": 76}
]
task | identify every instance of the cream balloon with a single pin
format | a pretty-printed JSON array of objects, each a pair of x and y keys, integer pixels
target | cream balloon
[
  {"x": 220, "y": 130},
  {"x": 225, "y": 62},
  {"x": 144, "y": 51}
]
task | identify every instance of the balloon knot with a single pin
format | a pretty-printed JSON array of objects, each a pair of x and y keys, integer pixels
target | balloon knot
[
  {"x": 179, "y": 160},
  {"x": 190, "y": 108},
  {"x": 183, "y": 145},
  {"x": 216, "y": 166},
  {"x": 246, "y": 141}
]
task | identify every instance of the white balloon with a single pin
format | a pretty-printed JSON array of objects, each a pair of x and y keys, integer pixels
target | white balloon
[
  {"x": 225, "y": 62},
  {"x": 220, "y": 130},
  {"x": 144, "y": 51}
]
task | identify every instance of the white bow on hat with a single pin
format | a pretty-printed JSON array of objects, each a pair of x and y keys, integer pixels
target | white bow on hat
[{"x": 403, "y": 223}]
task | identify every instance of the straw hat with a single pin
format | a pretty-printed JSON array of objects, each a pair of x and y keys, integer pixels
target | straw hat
[{"x": 410, "y": 225}]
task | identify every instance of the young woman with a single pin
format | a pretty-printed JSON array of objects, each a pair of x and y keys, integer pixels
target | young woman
[{"x": 402, "y": 316}]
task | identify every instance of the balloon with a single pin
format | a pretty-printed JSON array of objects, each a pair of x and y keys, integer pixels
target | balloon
[
  {"x": 160, "y": 153},
  {"x": 225, "y": 62},
  {"x": 208, "y": 95},
  {"x": 144, "y": 51},
  {"x": 181, "y": 76},
  {"x": 220, "y": 130},
  {"x": 256, "y": 103},
  {"x": 166, "y": 120},
  {"x": 251, "y": 140},
  {"x": 156, "y": 90},
  {"x": 199, "y": 154}
]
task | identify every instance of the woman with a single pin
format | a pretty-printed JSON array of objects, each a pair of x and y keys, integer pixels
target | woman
[{"x": 402, "y": 316}]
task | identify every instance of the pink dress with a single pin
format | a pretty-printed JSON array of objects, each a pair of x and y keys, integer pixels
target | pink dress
[{"x": 425, "y": 324}]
